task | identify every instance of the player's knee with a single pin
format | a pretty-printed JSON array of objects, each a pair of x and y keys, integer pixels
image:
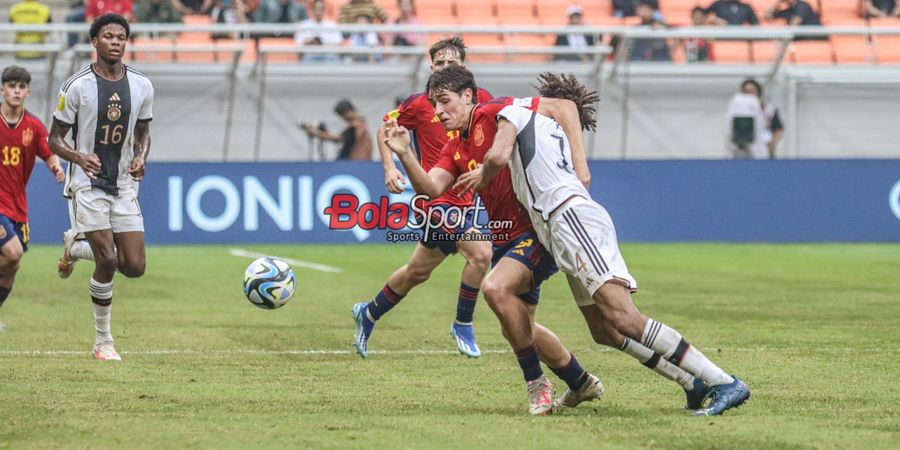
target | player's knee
[
  {"x": 11, "y": 260},
  {"x": 417, "y": 275},
  {"x": 494, "y": 292},
  {"x": 481, "y": 260},
  {"x": 132, "y": 269},
  {"x": 107, "y": 263}
]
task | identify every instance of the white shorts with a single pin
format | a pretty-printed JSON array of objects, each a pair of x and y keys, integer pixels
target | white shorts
[
  {"x": 93, "y": 210},
  {"x": 584, "y": 244}
]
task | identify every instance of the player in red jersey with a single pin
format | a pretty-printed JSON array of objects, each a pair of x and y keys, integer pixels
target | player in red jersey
[
  {"x": 22, "y": 139},
  {"x": 521, "y": 263},
  {"x": 417, "y": 115}
]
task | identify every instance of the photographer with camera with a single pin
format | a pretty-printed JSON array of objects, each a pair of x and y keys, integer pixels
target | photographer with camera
[
  {"x": 355, "y": 140},
  {"x": 754, "y": 128}
]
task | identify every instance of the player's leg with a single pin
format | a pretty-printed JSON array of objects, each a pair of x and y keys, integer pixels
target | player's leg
[
  {"x": 582, "y": 386},
  {"x": 11, "y": 251},
  {"x": 130, "y": 252},
  {"x": 478, "y": 261},
  {"x": 422, "y": 262},
  {"x": 101, "y": 287},
  {"x": 500, "y": 288},
  {"x": 604, "y": 333},
  {"x": 75, "y": 246}
]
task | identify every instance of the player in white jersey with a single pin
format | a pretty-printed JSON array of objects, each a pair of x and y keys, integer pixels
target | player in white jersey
[
  {"x": 582, "y": 239},
  {"x": 108, "y": 107}
]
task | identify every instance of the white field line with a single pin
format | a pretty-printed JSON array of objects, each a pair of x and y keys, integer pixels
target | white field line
[
  {"x": 423, "y": 352},
  {"x": 293, "y": 262},
  {"x": 238, "y": 352}
]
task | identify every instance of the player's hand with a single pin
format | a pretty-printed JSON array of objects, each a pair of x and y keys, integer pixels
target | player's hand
[
  {"x": 585, "y": 178},
  {"x": 394, "y": 181},
  {"x": 90, "y": 164},
  {"x": 396, "y": 137},
  {"x": 472, "y": 180},
  {"x": 137, "y": 168},
  {"x": 58, "y": 172}
]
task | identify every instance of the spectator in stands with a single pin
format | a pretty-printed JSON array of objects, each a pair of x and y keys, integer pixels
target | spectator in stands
[
  {"x": 322, "y": 32},
  {"x": 574, "y": 40},
  {"x": 230, "y": 12},
  {"x": 157, "y": 11},
  {"x": 355, "y": 140},
  {"x": 279, "y": 11},
  {"x": 794, "y": 12},
  {"x": 698, "y": 49},
  {"x": 648, "y": 49},
  {"x": 193, "y": 6},
  {"x": 351, "y": 11},
  {"x": 364, "y": 39},
  {"x": 628, "y": 8},
  {"x": 731, "y": 12},
  {"x": 30, "y": 12},
  {"x": 873, "y": 9},
  {"x": 97, "y": 8},
  {"x": 407, "y": 17},
  {"x": 76, "y": 15},
  {"x": 774, "y": 127}
]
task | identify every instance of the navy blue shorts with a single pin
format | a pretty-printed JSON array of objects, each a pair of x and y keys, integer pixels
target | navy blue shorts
[
  {"x": 10, "y": 229},
  {"x": 528, "y": 250},
  {"x": 447, "y": 227}
]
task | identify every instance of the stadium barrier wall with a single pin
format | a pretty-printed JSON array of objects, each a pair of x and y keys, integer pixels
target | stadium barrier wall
[{"x": 738, "y": 201}]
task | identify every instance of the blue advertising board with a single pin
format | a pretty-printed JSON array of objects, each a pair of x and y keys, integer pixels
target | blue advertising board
[{"x": 737, "y": 201}]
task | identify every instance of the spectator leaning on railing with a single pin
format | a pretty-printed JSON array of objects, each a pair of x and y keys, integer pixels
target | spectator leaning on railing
[
  {"x": 648, "y": 49},
  {"x": 355, "y": 8},
  {"x": 574, "y": 40},
  {"x": 230, "y": 12},
  {"x": 628, "y": 8},
  {"x": 731, "y": 12},
  {"x": 323, "y": 32},
  {"x": 279, "y": 11},
  {"x": 157, "y": 11},
  {"x": 873, "y": 9},
  {"x": 794, "y": 12},
  {"x": 29, "y": 12},
  {"x": 698, "y": 49},
  {"x": 407, "y": 17}
]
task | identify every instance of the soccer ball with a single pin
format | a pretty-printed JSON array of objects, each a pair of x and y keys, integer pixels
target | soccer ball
[{"x": 269, "y": 283}]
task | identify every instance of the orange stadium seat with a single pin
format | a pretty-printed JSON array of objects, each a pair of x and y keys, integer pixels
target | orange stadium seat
[
  {"x": 764, "y": 52},
  {"x": 832, "y": 8},
  {"x": 732, "y": 52},
  {"x": 531, "y": 40},
  {"x": 436, "y": 13},
  {"x": 554, "y": 11},
  {"x": 887, "y": 47},
  {"x": 280, "y": 57},
  {"x": 515, "y": 12},
  {"x": 853, "y": 49},
  {"x": 483, "y": 40},
  {"x": 678, "y": 12},
  {"x": 475, "y": 12},
  {"x": 151, "y": 57},
  {"x": 812, "y": 52}
]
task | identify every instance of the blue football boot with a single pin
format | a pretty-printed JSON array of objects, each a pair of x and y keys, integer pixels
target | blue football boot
[
  {"x": 465, "y": 339},
  {"x": 696, "y": 396},
  {"x": 724, "y": 397},
  {"x": 364, "y": 328}
]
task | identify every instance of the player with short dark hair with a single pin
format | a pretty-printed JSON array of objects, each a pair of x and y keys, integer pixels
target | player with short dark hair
[
  {"x": 583, "y": 241},
  {"x": 521, "y": 263},
  {"x": 417, "y": 114},
  {"x": 108, "y": 107},
  {"x": 22, "y": 138}
]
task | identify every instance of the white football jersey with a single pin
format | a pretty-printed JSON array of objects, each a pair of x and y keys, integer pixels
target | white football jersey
[
  {"x": 103, "y": 114},
  {"x": 541, "y": 164}
]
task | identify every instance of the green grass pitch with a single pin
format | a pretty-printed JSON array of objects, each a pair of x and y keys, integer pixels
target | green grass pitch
[{"x": 813, "y": 329}]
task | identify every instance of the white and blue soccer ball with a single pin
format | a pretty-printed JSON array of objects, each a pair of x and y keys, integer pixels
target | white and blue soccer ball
[{"x": 269, "y": 283}]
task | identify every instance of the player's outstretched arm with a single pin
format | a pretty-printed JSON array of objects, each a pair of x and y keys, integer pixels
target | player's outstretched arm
[
  {"x": 435, "y": 182},
  {"x": 494, "y": 160},
  {"x": 141, "y": 149},
  {"x": 52, "y": 163},
  {"x": 393, "y": 179},
  {"x": 57, "y": 140},
  {"x": 565, "y": 112}
]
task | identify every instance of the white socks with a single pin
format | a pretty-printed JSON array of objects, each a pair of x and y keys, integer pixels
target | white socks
[
  {"x": 659, "y": 365},
  {"x": 81, "y": 250},
  {"x": 102, "y": 313},
  {"x": 676, "y": 350}
]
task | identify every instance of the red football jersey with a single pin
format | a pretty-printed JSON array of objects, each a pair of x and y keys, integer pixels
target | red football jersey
[
  {"x": 464, "y": 153},
  {"x": 19, "y": 145},
  {"x": 428, "y": 136}
]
